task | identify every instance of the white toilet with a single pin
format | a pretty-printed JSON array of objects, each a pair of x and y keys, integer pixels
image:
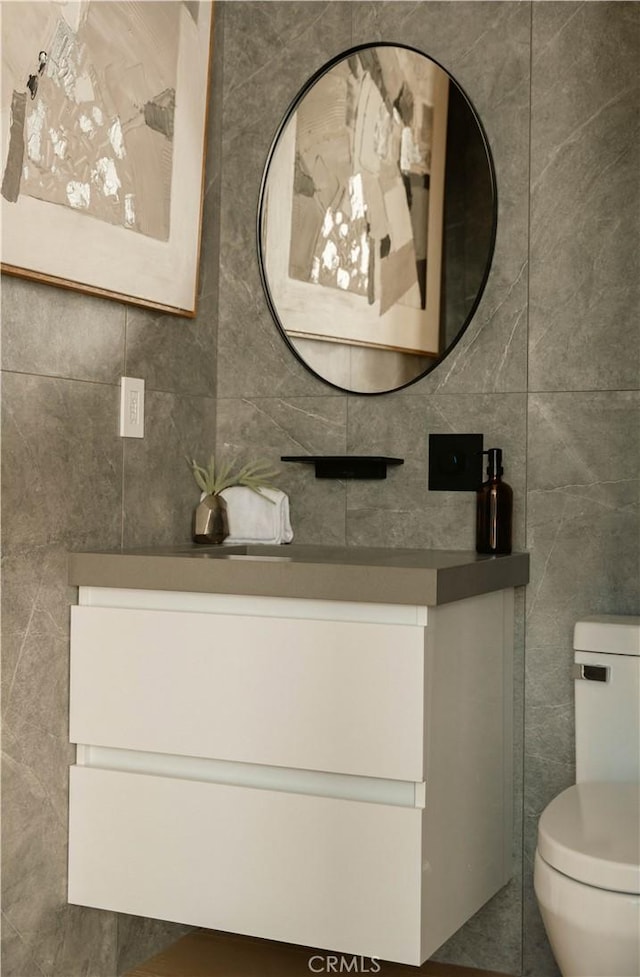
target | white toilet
[{"x": 587, "y": 863}]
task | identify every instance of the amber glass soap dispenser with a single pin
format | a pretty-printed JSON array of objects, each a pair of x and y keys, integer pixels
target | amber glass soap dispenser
[{"x": 494, "y": 509}]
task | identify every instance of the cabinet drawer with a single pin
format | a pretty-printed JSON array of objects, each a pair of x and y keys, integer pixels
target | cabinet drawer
[
  {"x": 339, "y": 874},
  {"x": 340, "y": 696}
]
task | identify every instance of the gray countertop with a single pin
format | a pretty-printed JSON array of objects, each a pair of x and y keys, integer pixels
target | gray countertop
[{"x": 378, "y": 575}]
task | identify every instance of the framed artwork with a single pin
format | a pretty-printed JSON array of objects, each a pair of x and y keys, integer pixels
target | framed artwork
[
  {"x": 104, "y": 111},
  {"x": 353, "y": 201}
]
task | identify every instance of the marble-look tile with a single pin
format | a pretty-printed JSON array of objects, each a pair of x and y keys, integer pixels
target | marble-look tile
[
  {"x": 270, "y": 427},
  {"x": 582, "y": 531},
  {"x": 486, "y": 48},
  {"x": 140, "y": 938},
  {"x": 400, "y": 511},
  {"x": 62, "y": 470},
  {"x": 253, "y": 357},
  {"x": 171, "y": 353},
  {"x": 583, "y": 469},
  {"x": 42, "y": 935},
  {"x": 174, "y": 353},
  {"x": 275, "y": 426},
  {"x": 585, "y": 232},
  {"x": 274, "y": 47},
  {"x": 23, "y": 588},
  {"x": 492, "y": 938},
  {"x": 159, "y": 491},
  {"x": 35, "y": 668},
  {"x": 461, "y": 38},
  {"x": 271, "y": 48},
  {"x": 56, "y": 332}
]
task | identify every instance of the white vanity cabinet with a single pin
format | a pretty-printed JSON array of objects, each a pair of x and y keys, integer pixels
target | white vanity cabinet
[{"x": 330, "y": 773}]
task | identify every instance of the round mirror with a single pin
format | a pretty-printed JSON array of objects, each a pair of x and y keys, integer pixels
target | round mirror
[{"x": 377, "y": 219}]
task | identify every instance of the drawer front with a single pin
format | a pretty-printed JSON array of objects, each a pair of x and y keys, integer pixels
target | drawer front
[
  {"x": 338, "y": 696},
  {"x": 338, "y": 874}
]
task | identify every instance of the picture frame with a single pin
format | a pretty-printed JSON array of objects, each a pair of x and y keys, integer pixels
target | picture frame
[
  {"x": 332, "y": 135},
  {"x": 103, "y": 124}
]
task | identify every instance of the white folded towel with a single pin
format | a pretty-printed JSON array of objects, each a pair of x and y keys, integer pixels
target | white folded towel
[{"x": 254, "y": 519}]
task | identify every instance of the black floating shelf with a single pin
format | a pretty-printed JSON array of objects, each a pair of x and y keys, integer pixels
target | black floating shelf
[{"x": 346, "y": 466}]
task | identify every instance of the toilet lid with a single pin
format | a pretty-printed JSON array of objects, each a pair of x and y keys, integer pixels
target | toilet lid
[{"x": 591, "y": 832}]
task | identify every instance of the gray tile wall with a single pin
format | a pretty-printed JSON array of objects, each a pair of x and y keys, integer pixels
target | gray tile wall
[
  {"x": 549, "y": 369},
  {"x": 70, "y": 482},
  {"x": 584, "y": 368}
]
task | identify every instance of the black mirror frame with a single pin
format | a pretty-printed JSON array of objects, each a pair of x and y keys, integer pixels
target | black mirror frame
[{"x": 260, "y": 216}]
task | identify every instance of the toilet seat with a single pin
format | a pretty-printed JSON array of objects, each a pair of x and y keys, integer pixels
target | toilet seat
[{"x": 591, "y": 833}]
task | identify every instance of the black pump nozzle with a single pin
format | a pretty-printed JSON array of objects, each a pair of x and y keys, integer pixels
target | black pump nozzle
[{"x": 494, "y": 465}]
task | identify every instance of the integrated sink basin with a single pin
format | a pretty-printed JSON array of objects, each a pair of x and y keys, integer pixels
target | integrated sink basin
[
  {"x": 251, "y": 556},
  {"x": 344, "y": 573},
  {"x": 245, "y": 552}
]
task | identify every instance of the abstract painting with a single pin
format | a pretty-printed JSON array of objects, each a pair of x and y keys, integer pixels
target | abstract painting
[
  {"x": 103, "y": 134},
  {"x": 356, "y": 190}
]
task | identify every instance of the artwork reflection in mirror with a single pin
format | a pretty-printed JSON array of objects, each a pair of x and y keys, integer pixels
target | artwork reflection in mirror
[{"x": 352, "y": 219}]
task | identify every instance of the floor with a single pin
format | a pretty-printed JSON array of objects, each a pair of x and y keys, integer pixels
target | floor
[{"x": 205, "y": 953}]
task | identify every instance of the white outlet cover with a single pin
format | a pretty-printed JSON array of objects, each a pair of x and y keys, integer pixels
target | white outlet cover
[{"x": 132, "y": 407}]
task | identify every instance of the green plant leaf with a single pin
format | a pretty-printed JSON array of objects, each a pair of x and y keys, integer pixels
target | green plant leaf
[{"x": 213, "y": 479}]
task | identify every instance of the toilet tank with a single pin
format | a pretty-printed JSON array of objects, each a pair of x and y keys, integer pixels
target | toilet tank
[{"x": 607, "y": 698}]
